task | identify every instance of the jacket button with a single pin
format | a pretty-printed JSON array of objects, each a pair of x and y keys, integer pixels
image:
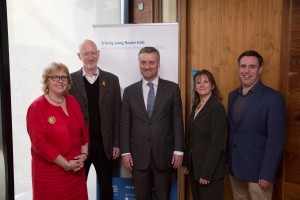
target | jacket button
[{"x": 234, "y": 145}]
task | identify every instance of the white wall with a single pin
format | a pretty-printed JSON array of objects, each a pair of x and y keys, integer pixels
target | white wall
[{"x": 41, "y": 32}]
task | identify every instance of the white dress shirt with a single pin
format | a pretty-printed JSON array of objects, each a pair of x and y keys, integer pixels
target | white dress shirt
[{"x": 93, "y": 78}]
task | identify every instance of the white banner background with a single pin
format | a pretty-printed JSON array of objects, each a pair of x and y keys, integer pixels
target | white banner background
[{"x": 119, "y": 46}]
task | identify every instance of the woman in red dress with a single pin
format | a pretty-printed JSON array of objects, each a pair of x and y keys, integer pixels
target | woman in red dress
[{"x": 59, "y": 140}]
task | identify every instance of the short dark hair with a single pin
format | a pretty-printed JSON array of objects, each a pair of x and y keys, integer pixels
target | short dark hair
[
  {"x": 150, "y": 50},
  {"x": 252, "y": 53}
]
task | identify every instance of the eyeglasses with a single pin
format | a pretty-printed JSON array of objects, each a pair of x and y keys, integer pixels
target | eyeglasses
[
  {"x": 92, "y": 53},
  {"x": 57, "y": 78}
]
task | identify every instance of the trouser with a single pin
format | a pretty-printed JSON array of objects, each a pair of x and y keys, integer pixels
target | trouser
[
  {"x": 145, "y": 180},
  {"x": 243, "y": 190},
  {"x": 104, "y": 170}
]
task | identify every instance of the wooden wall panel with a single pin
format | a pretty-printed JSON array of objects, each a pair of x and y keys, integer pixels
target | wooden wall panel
[
  {"x": 218, "y": 31},
  {"x": 292, "y": 154},
  {"x": 292, "y": 192},
  {"x": 183, "y": 189}
]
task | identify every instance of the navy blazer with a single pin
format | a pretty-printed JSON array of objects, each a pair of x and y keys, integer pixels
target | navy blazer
[{"x": 256, "y": 141}]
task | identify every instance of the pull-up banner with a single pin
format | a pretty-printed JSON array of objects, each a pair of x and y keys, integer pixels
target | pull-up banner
[{"x": 119, "y": 46}]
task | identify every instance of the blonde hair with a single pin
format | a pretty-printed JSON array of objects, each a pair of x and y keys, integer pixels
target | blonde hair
[{"x": 49, "y": 69}]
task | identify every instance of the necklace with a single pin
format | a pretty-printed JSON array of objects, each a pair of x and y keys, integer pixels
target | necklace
[
  {"x": 57, "y": 102},
  {"x": 200, "y": 105}
]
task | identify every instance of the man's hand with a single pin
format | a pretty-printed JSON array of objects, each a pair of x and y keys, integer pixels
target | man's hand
[
  {"x": 127, "y": 161},
  {"x": 263, "y": 183},
  {"x": 176, "y": 161}
]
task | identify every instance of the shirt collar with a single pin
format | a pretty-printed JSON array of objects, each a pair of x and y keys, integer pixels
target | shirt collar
[
  {"x": 95, "y": 74},
  {"x": 155, "y": 82},
  {"x": 252, "y": 90}
]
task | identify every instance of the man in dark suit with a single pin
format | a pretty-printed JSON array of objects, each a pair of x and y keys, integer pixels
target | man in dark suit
[
  {"x": 151, "y": 142},
  {"x": 256, "y": 130},
  {"x": 98, "y": 93}
]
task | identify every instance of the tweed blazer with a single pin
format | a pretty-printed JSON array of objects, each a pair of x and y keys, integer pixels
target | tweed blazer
[{"x": 109, "y": 106}]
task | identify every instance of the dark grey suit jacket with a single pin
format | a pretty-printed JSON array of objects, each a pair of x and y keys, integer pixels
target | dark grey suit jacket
[
  {"x": 109, "y": 105},
  {"x": 161, "y": 135},
  {"x": 205, "y": 143}
]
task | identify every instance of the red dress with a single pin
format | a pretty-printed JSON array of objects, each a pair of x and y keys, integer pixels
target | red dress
[{"x": 52, "y": 132}]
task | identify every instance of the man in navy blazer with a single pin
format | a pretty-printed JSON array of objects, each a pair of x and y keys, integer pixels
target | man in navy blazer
[
  {"x": 151, "y": 144},
  {"x": 256, "y": 132}
]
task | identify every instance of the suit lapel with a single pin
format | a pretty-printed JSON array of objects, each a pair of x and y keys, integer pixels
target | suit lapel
[
  {"x": 159, "y": 94},
  {"x": 78, "y": 81},
  {"x": 204, "y": 109},
  {"x": 140, "y": 96},
  {"x": 253, "y": 100},
  {"x": 231, "y": 103},
  {"x": 102, "y": 85}
]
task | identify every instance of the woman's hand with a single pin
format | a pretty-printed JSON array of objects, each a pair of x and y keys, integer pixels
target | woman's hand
[
  {"x": 203, "y": 181},
  {"x": 185, "y": 170},
  {"x": 78, "y": 162}
]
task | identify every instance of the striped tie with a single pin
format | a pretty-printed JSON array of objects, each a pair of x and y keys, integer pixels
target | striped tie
[{"x": 151, "y": 98}]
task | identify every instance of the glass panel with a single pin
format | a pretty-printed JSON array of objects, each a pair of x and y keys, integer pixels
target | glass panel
[
  {"x": 41, "y": 32},
  {"x": 6, "y": 172},
  {"x": 2, "y": 164}
]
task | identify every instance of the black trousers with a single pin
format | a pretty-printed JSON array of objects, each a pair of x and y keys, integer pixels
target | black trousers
[
  {"x": 152, "y": 178},
  {"x": 103, "y": 167},
  {"x": 212, "y": 191}
]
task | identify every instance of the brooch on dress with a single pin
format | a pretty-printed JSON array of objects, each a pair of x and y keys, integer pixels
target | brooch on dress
[
  {"x": 103, "y": 83},
  {"x": 51, "y": 120}
]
